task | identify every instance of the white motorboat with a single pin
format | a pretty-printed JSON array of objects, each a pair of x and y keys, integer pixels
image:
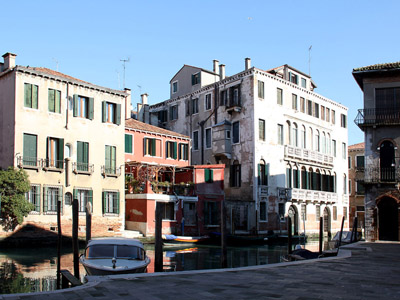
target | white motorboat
[{"x": 108, "y": 256}]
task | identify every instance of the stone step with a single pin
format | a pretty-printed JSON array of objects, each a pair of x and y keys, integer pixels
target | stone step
[{"x": 131, "y": 234}]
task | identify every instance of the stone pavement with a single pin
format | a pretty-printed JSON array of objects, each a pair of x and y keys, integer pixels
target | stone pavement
[{"x": 362, "y": 271}]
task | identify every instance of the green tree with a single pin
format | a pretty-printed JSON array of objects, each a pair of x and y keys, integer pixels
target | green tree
[{"x": 14, "y": 206}]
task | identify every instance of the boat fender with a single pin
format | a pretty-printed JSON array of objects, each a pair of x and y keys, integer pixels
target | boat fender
[{"x": 114, "y": 261}]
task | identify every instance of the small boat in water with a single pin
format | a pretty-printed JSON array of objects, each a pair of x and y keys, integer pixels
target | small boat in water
[
  {"x": 170, "y": 239},
  {"x": 108, "y": 256}
]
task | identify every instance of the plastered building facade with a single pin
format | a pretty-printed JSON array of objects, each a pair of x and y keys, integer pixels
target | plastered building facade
[
  {"x": 284, "y": 146},
  {"x": 68, "y": 135}
]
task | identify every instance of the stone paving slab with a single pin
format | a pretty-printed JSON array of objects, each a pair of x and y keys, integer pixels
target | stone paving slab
[{"x": 364, "y": 271}]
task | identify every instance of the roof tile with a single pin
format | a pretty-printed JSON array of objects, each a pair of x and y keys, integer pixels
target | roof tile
[{"x": 138, "y": 125}]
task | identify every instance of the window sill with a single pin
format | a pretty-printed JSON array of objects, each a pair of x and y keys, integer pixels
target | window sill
[
  {"x": 168, "y": 220},
  {"x": 29, "y": 167},
  {"x": 110, "y": 175},
  {"x": 110, "y": 215},
  {"x": 53, "y": 169},
  {"x": 34, "y": 213},
  {"x": 50, "y": 213},
  {"x": 83, "y": 172}
]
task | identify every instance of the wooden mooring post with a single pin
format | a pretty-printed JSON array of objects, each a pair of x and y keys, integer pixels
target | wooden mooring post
[
  {"x": 59, "y": 241},
  {"x": 354, "y": 230},
  {"x": 321, "y": 234},
  {"x": 88, "y": 222},
  {"x": 158, "y": 256},
  {"x": 341, "y": 232},
  {"x": 289, "y": 230},
  {"x": 75, "y": 244},
  {"x": 224, "y": 254}
]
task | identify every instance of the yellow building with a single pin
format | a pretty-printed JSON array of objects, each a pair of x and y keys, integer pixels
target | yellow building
[{"x": 68, "y": 135}]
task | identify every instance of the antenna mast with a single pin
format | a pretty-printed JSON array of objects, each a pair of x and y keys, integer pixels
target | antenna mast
[
  {"x": 124, "y": 61},
  {"x": 309, "y": 61}
]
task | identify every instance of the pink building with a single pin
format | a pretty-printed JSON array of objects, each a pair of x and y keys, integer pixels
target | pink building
[{"x": 158, "y": 172}]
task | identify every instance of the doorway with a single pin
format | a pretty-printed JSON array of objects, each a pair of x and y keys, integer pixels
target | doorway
[
  {"x": 294, "y": 217},
  {"x": 388, "y": 220}
]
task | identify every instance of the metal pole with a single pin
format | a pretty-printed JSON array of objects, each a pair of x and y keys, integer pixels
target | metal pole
[
  {"x": 158, "y": 258},
  {"x": 321, "y": 233},
  {"x": 289, "y": 222},
  {"x": 59, "y": 241},
  {"x": 75, "y": 244},
  {"x": 224, "y": 261},
  {"x": 88, "y": 222},
  {"x": 341, "y": 232}
]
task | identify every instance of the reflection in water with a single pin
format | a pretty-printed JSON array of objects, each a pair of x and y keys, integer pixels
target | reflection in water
[{"x": 34, "y": 270}]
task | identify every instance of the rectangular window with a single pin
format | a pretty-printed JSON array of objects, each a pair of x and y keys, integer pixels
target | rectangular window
[
  {"x": 211, "y": 213},
  {"x": 30, "y": 150},
  {"x": 128, "y": 143},
  {"x": 54, "y": 101},
  {"x": 235, "y": 98},
  {"x": 334, "y": 148},
  {"x": 168, "y": 210},
  {"x": 31, "y": 95},
  {"x": 207, "y": 102},
  {"x": 236, "y": 133},
  {"x": 344, "y": 150},
  {"x": 171, "y": 149},
  {"x": 82, "y": 156},
  {"x": 349, "y": 160},
  {"x": 196, "y": 78},
  {"x": 208, "y": 138},
  {"x": 235, "y": 175},
  {"x": 293, "y": 78},
  {"x": 309, "y": 108},
  {"x": 262, "y": 174},
  {"x": 304, "y": 212},
  {"x": 111, "y": 113},
  {"x": 261, "y": 89},
  {"x": 174, "y": 87},
  {"x": 50, "y": 197},
  {"x": 195, "y": 140},
  {"x": 303, "y": 82},
  {"x": 33, "y": 196},
  {"x": 328, "y": 115},
  {"x": 316, "y": 110},
  {"x": 110, "y": 202},
  {"x": 263, "y": 211},
  {"x": 84, "y": 107},
  {"x": 322, "y": 112},
  {"x": 387, "y": 98},
  {"x": 335, "y": 213},
  {"x": 208, "y": 175},
  {"x": 261, "y": 129},
  {"x": 360, "y": 162},
  {"x": 110, "y": 160},
  {"x": 302, "y": 105},
  {"x": 280, "y": 134},
  {"x": 349, "y": 186},
  {"x": 149, "y": 146},
  {"x": 183, "y": 151},
  {"x": 162, "y": 116},
  {"x": 360, "y": 189},
  {"x": 195, "y": 106},
  {"x": 279, "y": 93},
  {"x": 173, "y": 112},
  {"x": 333, "y": 117},
  {"x": 83, "y": 196},
  {"x": 55, "y": 153},
  {"x": 317, "y": 212},
  {"x": 343, "y": 121},
  {"x": 294, "y": 101}
]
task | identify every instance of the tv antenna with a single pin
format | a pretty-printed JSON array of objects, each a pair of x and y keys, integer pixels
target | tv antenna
[
  {"x": 309, "y": 61},
  {"x": 124, "y": 61},
  {"x": 56, "y": 61}
]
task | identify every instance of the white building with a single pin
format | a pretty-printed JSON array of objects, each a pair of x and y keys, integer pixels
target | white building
[{"x": 284, "y": 146}]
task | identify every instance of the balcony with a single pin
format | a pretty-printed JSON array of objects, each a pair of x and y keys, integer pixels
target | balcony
[
  {"x": 377, "y": 116},
  {"x": 24, "y": 162},
  {"x": 53, "y": 165},
  {"x": 221, "y": 140},
  {"x": 319, "y": 196},
  {"x": 82, "y": 168},
  {"x": 381, "y": 175},
  {"x": 110, "y": 171},
  {"x": 308, "y": 155}
]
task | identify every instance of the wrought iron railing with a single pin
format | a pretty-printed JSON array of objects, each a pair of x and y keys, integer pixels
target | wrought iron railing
[
  {"x": 309, "y": 155},
  {"x": 49, "y": 163},
  {"x": 110, "y": 171},
  {"x": 378, "y": 174},
  {"x": 28, "y": 162},
  {"x": 378, "y": 116},
  {"x": 82, "y": 167}
]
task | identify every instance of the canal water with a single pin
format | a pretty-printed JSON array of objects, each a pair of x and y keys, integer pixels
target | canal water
[{"x": 34, "y": 270}]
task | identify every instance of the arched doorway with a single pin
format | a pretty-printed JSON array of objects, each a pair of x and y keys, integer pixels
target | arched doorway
[
  {"x": 294, "y": 217},
  {"x": 327, "y": 221},
  {"x": 388, "y": 219},
  {"x": 387, "y": 162}
]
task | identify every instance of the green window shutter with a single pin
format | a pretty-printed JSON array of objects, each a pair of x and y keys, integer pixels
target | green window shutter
[
  {"x": 212, "y": 175},
  {"x": 116, "y": 205},
  {"x": 79, "y": 153},
  {"x": 266, "y": 170},
  {"x": 76, "y": 105},
  {"x": 51, "y": 101},
  {"x": 30, "y": 146},
  {"x": 104, "y": 111},
  {"x": 27, "y": 95},
  {"x": 108, "y": 158},
  {"x": 45, "y": 199},
  {"x": 166, "y": 150},
  {"x": 118, "y": 114},
  {"x": 153, "y": 147},
  {"x": 47, "y": 151},
  {"x": 206, "y": 175},
  {"x": 86, "y": 153},
  {"x": 34, "y": 96},
  {"x": 58, "y": 102},
  {"x": 91, "y": 109},
  {"x": 144, "y": 146},
  {"x": 90, "y": 198},
  {"x": 60, "y": 153},
  {"x": 193, "y": 82},
  {"x": 259, "y": 174},
  {"x": 175, "y": 150},
  {"x": 180, "y": 151},
  {"x": 128, "y": 143},
  {"x": 104, "y": 202}
]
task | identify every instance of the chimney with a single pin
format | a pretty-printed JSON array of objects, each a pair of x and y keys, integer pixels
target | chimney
[
  {"x": 215, "y": 69},
  {"x": 144, "y": 98},
  {"x": 9, "y": 61},
  {"x": 222, "y": 72},
  {"x": 128, "y": 104},
  {"x": 247, "y": 63}
]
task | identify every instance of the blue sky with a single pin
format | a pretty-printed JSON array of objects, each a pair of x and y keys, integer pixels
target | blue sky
[{"x": 87, "y": 40}]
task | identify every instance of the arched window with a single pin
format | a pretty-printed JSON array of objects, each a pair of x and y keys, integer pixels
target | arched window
[
  {"x": 328, "y": 144},
  {"x": 289, "y": 133},
  {"x": 296, "y": 177},
  {"x": 323, "y": 143},
  {"x": 304, "y": 179},
  {"x": 262, "y": 173},
  {"x": 295, "y": 140},
  {"x": 303, "y": 137},
  {"x": 317, "y": 141},
  {"x": 345, "y": 191},
  {"x": 311, "y": 179},
  {"x": 310, "y": 138},
  {"x": 288, "y": 176},
  {"x": 387, "y": 161}
]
